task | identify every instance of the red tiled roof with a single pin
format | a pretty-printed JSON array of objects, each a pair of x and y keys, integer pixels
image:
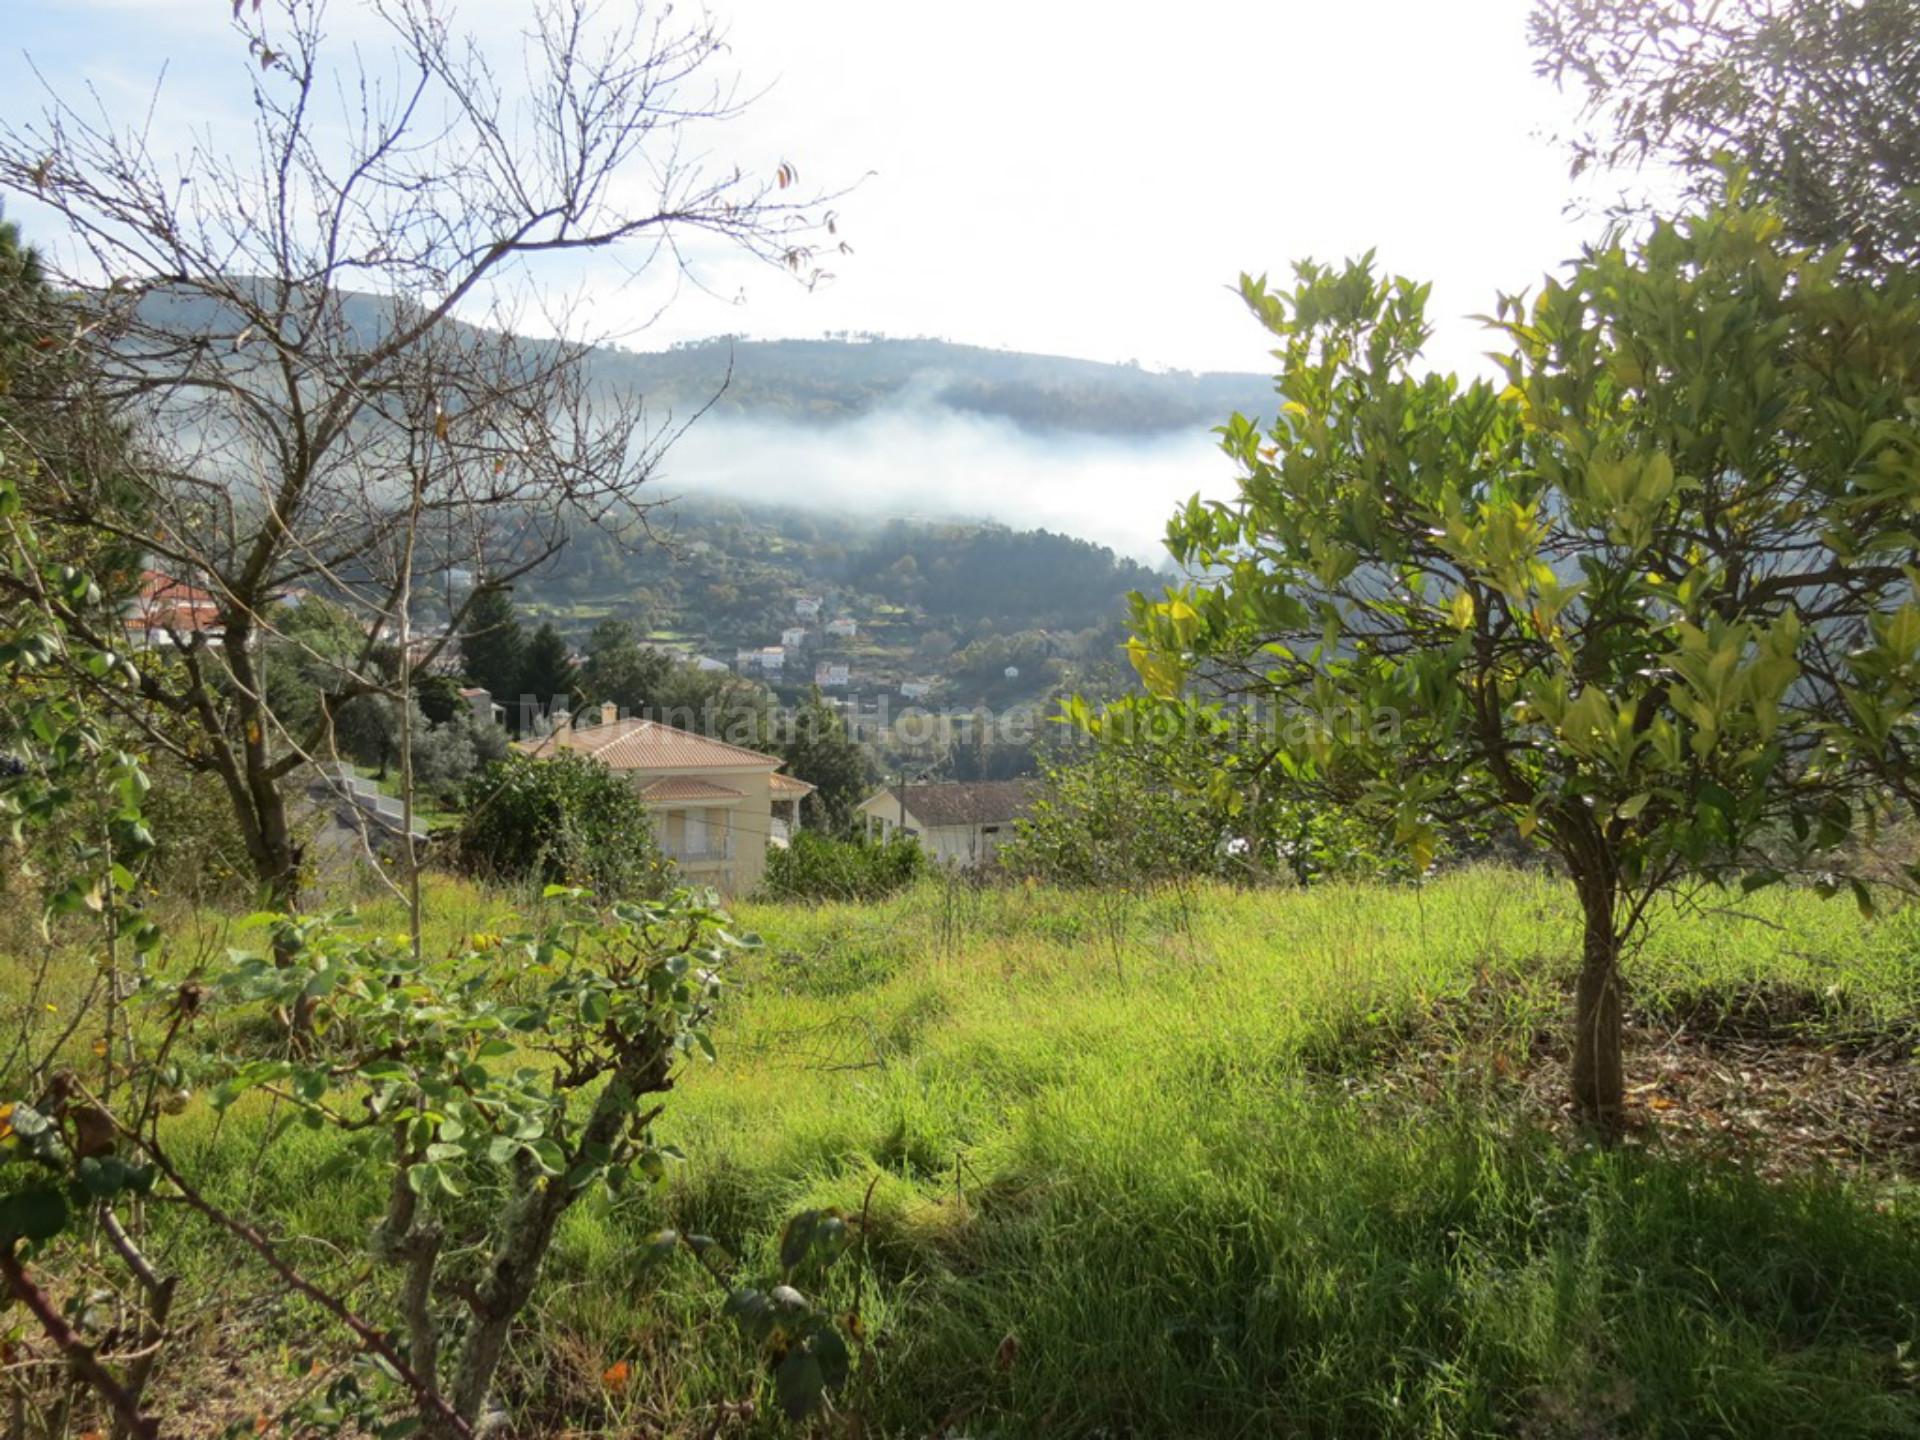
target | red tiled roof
[
  {"x": 649, "y": 745},
  {"x": 686, "y": 787},
  {"x": 168, "y": 604},
  {"x": 789, "y": 785}
]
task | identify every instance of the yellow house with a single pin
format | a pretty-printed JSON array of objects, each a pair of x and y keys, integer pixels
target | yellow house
[{"x": 713, "y": 804}]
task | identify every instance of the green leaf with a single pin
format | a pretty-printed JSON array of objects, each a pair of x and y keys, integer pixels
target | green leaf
[
  {"x": 751, "y": 1310},
  {"x": 502, "y": 1148},
  {"x": 836, "y": 1365},
  {"x": 104, "y": 1176},
  {"x": 799, "y": 1384},
  {"x": 39, "y": 1213}
]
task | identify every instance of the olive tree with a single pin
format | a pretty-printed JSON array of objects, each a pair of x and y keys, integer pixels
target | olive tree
[
  {"x": 1625, "y": 597},
  {"x": 318, "y": 329}
]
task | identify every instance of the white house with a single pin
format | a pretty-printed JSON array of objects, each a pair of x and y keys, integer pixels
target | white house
[
  {"x": 807, "y": 607},
  {"x": 768, "y": 658},
  {"x": 708, "y": 663},
  {"x": 956, "y": 824},
  {"x": 793, "y": 637},
  {"x": 915, "y": 689},
  {"x": 486, "y": 710},
  {"x": 844, "y": 628},
  {"x": 168, "y": 612},
  {"x": 832, "y": 675}
]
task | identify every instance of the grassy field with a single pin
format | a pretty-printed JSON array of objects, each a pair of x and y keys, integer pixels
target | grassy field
[{"x": 1236, "y": 1164}]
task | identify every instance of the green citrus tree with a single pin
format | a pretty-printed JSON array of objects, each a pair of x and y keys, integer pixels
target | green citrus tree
[{"x": 1622, "y": 598}]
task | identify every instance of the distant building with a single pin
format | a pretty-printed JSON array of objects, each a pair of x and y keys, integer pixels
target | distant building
[
  {"x": 767, "y": 659},
  {"x": 712, "y": 804},
  {"x": 793, "y": 637},
  {"x": 956, "y": 824},
  {"x": 832, "y": 675},
  {"x": 915, "y": 689},
  {"x": 480, "y": 700},
  {"x": 807, "y": 607},
  {"x": 845, "y": 628},
  {"x": 785, "y": 790},
  {"x": 707, "y": 663},
  {"x": 167, "y": 611}
]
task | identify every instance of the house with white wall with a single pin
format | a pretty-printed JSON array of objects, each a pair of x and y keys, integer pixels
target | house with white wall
[
  {"x": 844, "y": 628},
  {"x": 768, "y": 659},
  {"x": 486, "y": 710},
  {"x": 956, "y": 823}
]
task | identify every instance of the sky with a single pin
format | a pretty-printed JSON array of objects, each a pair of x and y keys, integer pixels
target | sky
[
  {"x": 1055, "y": 176},
  {"x": 1049, "y": 175}
]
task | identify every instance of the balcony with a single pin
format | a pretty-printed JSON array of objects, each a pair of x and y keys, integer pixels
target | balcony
[{"x": 710, "y": 851}]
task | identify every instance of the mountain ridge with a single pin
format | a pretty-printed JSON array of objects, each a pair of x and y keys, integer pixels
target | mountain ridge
[
  {"x": 845, "y": 375},
  {"x": 820, "y": 381}
]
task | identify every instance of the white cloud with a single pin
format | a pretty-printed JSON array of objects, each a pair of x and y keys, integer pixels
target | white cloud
[
  {"x": 1061, "y": 176},
  {"x": 933, "y": 463},
  {"x": 1066, "y": 176}
]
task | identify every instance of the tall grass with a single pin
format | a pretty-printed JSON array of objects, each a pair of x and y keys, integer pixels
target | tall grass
[{"x": 1119, "y": 1182}]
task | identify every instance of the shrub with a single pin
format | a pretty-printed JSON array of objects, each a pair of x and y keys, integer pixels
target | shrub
[
  {"x": 820, "y": 867},
  {"x": 443, "y": 758},
  {"x": 368, "y": 730},
  {"x": 562, "y": 820},
  {"x": 1141, "y": 806}
]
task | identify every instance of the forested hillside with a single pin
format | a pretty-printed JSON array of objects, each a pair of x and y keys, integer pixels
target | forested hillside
[
  {"x": 842, "y": 377},
  {"x": 990, "y": 613},
  {"x": 731, "y": 568},
  {"x": 846, "y": 376}
]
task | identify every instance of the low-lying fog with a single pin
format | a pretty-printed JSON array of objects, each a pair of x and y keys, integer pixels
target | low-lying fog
[{"x": 928, "y": 461}]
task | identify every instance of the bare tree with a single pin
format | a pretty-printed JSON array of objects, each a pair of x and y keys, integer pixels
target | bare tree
[{"x": 333, "y": 346}]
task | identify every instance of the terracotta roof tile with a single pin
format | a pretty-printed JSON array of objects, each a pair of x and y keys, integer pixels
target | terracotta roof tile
[
  {"x": 985, "y": 802},
  {"x": 648, "y": 745},
  {"x": 686, "y": 787},
  {"x": 789, "y": 785}
]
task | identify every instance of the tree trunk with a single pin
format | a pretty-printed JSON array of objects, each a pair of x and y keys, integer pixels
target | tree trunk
[
  {"x": 1598, "y": 1083},
  {"x": 527, "y": 1231},
  {"x": 270, "y": 840}
]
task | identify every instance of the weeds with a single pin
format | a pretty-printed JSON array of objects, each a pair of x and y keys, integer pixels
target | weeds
[{"x": 1276, "y": 1179}]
